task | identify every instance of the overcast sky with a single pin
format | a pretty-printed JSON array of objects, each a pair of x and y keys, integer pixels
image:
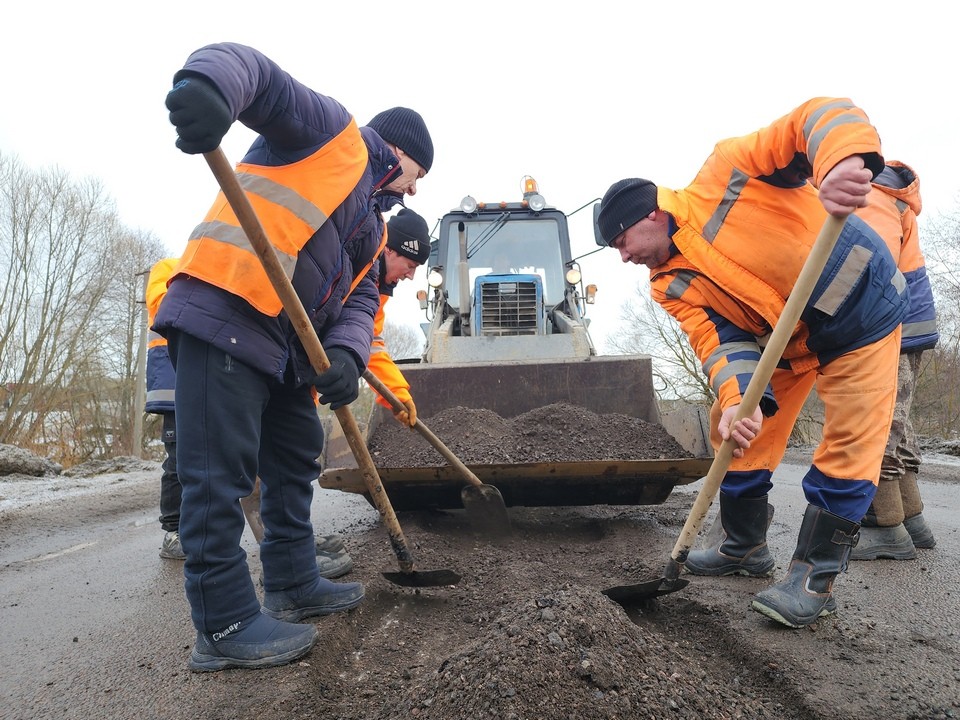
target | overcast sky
[{"x": 578, "y": 95}]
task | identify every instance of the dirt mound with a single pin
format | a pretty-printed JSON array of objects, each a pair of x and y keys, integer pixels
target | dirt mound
[
  {"x": 121, "y": 464},
  {"x": 554, "y": 433},
  {"x": 571, "y": 649},
  {"x": 16, "y": 462}
]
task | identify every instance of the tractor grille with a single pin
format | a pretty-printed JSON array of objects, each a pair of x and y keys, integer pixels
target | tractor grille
[{"x": 508, "y": 308}]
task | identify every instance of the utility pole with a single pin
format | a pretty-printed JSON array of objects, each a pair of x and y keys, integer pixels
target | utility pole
[{"x": 140, "y": 388}]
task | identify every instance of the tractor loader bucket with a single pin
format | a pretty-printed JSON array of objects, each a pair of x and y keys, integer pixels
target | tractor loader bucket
[{"x": 603, "y": 385}]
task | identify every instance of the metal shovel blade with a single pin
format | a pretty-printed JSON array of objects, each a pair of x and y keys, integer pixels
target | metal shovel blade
[
  {"x": 423, "y": 578},
  {"x": 633, "y": 594},
  {"x": 486, "y": 509}
]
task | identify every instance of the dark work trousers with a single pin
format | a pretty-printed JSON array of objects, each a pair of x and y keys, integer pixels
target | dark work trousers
[
  {"x": 234, "y": 422},
  {"x": 169, "y": 482}
]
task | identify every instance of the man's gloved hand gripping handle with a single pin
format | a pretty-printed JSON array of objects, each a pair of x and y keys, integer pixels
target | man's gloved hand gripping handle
[
  {"x": 200, "y": 114},
  {"x": 339, "y": 385}
]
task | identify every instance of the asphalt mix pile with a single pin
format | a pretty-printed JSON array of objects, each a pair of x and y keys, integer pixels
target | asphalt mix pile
[
  {"x": 553, "y": 433},
  {"x": 570, "y": 654}
]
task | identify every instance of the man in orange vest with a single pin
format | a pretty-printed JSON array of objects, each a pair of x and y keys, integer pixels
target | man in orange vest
[
  {"x": 724, "y": 254},
  {"x": 160, "y": 387},
  {"x": 408, "y": 247},
  {"x": 245, "y": 388}
]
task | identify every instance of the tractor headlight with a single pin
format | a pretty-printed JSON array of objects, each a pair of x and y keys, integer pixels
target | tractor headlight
[
  {"x": 434, "y": 279},
  {"x": 468, "y": 204},
  {"x": 573, "y": 276}
]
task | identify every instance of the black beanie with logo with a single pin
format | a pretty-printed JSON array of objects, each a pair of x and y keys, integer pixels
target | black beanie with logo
[
  {"x": 408, "y": 235},
  {"x": 405, "y": 128}
]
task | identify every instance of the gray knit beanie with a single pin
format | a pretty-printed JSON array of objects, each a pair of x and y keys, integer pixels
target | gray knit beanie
[{"x": 405, "y": 128}]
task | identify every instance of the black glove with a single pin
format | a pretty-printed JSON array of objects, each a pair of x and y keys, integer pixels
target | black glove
[
  {"x": 339, "y": 385},
  {"x": 200, "y": 114}
]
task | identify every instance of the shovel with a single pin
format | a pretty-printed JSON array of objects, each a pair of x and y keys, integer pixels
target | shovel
[
  {"x": 408, "y": 576},
  {"x": 792, "y": 309},
  {"x": 483, "y": 503}
]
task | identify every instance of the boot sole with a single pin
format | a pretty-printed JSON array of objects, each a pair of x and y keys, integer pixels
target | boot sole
[
  {"x": 201, "y": 662},
  {"x": 885, "y": 553},
  {"x": 298, "y": 614},
  {"x": 726, "y": 572},
  {"x": 795, "y": 623}
]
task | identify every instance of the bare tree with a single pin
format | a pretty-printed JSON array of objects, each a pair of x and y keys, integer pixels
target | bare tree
[
  {"x": 936, "y": 404},
  {"x": 63, "y": 252},
  {"x": 648, "y": 329},
  {"x": 404, "y": 342}
]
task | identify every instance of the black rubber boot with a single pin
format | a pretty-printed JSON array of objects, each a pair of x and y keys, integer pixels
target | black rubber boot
[
  {"x": 737, "y": 542},
  {"x": 805, "y": 594}
]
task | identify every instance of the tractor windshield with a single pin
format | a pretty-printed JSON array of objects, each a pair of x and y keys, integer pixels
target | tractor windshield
[{"x": 501, "y": 244}]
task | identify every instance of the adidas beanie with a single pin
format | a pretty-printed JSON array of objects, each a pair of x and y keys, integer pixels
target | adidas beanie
[{"x": 407, "y": 235}]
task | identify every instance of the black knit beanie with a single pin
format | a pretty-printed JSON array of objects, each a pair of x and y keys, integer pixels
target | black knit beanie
[
  {"x": 405, "y": 128},
  {"x": 626, "y": 203},
  {"x": 407, "y": 235}
]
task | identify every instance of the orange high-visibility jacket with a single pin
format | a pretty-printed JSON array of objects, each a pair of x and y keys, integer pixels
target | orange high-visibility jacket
[
  {"x": 160, "y": 375},
  {"x": 382, "y": 365},
  {"x": 892, "y": 209},
  {"x": 742, "y": 234}
]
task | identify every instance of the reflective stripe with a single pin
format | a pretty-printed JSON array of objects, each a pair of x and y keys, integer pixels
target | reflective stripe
[
  {"x": 679, "y": 285},
  {"x": 814, "y": 142},
  {"x": 732, "y": 370},
  {"x": 738, "y": 180},
  {"x": 919, "y": 329},
  {"x": 154, "y": 396},
  {"x": 724, "y": 350},
  {"x": 839, "y": 288},
  {"x": 235, "y": 236},
  {"x": 899, "y": 282},
  {"x": 310, "y": 214},
  {"x": 374, "y": 349}
]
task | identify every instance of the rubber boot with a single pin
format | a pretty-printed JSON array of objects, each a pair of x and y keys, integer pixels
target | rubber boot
[
  {"x": 333, "y": 560},
  {"x": 877, "y": 543},
  {"x": 806, "y": 593},
  {"x": 737, "y": 542},
  {"x": 919, "y": 531},
  {"x": 318, "y": 598},
  {"x": 256, "y": 642}
]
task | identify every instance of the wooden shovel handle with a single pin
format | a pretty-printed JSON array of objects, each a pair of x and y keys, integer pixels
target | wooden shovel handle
[
  {"x": 792, "y": 309},
  {"x": 238, "y": 200},
  {"x": 388, "y": 395}
]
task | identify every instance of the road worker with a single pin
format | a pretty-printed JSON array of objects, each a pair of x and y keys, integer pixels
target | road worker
[
  {"x": 724, "y": 254},
  {"x": 894, "y": 526},
  {"x": 244, "y": 383}
]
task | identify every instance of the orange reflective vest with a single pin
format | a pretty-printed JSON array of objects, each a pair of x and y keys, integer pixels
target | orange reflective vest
[{"x": 291, "y": 201}]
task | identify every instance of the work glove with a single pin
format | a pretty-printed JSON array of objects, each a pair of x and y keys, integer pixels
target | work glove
[
  {"x": 200, "y": 114},
  {"x": 339, "y": 385},
  {"x": 408, "y": 416}
]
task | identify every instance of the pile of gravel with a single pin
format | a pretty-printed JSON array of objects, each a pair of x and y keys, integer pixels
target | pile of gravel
[
  {"x": 553, "y": 433},
  {"x": 574, "y": 654}
]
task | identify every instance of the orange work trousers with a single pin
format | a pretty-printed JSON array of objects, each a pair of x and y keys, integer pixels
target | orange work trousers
[{"x": 858, "y": 390}]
